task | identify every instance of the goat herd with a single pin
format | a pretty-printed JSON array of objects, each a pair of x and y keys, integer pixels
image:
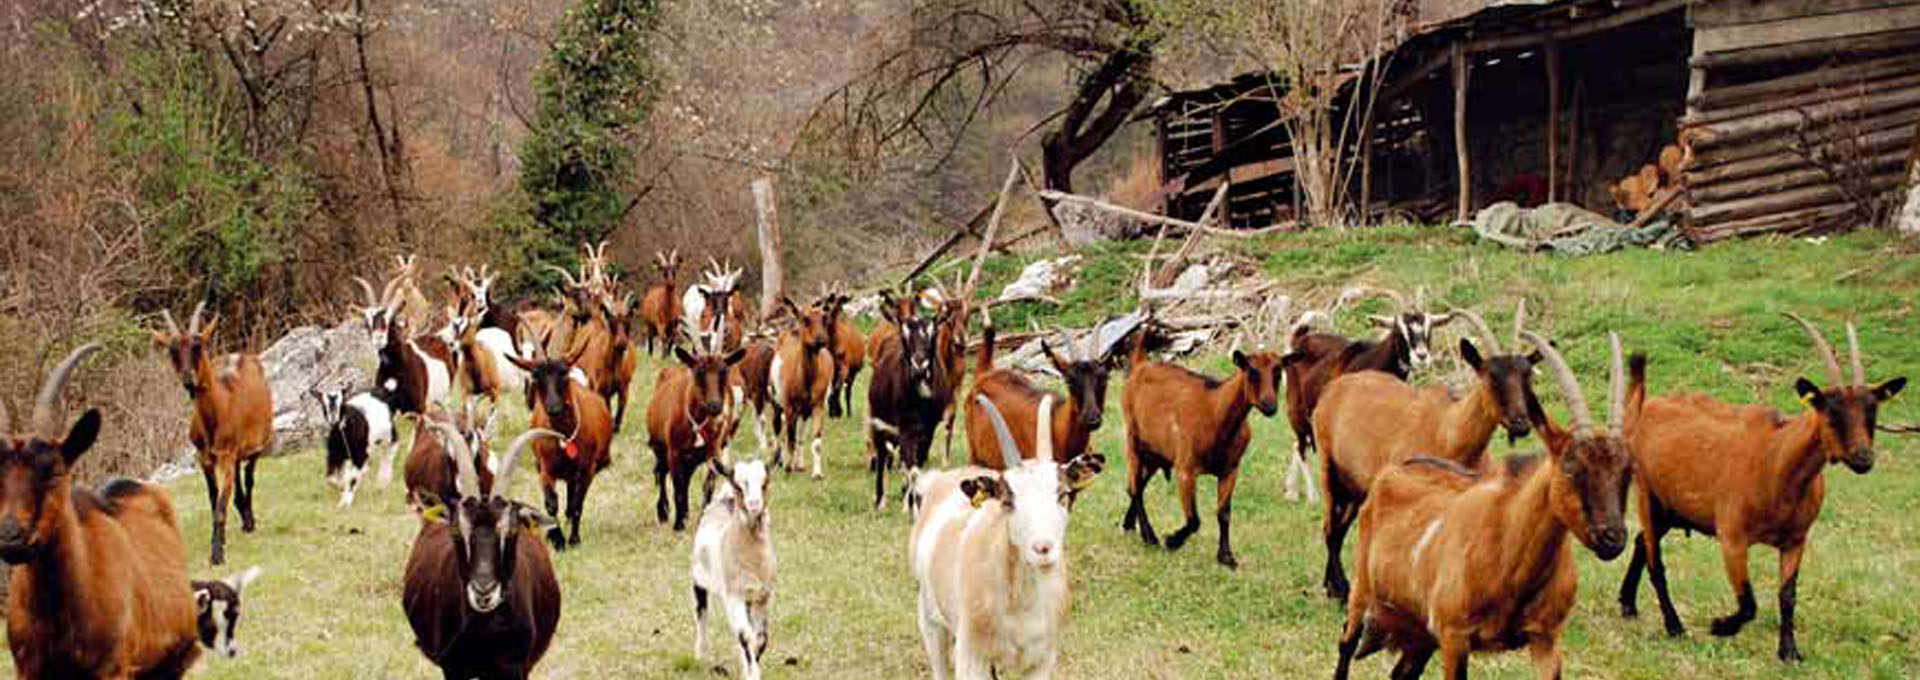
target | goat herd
[{"x": 1456, "y": 552}]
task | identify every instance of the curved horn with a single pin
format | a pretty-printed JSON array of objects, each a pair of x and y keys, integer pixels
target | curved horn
[
  {"x": 1569, "y": 387},
  {"x": 193, "y": 322},
  {"x": 366, "y": 290},
  {"x": 1043, "y": 430},
  {"x": 1419, "y": 298},
  {"x": 1486, "y": 332},
  {"x": 503, "y": 477},
  {"x": 1821, "y": 348},
  {"x": 1853, "y": 352},
  {"x": 564, "y": 274},
  {"x": 1009, "y": 451},
  {"x": 172, "y": 327},
  {"x": 1616, "y": 388},
  {"x": 1399, "y": 299},
  {"x": 1519, "y": 319},
  {"x": 43, "y": 405},
  {"x": 467, "y": 480}
]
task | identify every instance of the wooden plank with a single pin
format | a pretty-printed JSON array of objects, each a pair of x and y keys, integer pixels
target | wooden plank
[
  {"x": 1772, "y": 158},
  {"x": 1728, "y": 132},
  {"x": 1807, "y": 49},
  {"x": 1735, "y": 12},
  {"x": 1782, "y": 181},
  {"x": 1553, "y": 122},
  {"x": 1838, "y": 90},
  {"x": 1461, "y": 72},
  {"x": 1729, "y": 38},
  {"x": 1872, "y": 69},
  {"x": 1578, "y": 29},
  {"x": 1818, "y": 194},
  {"x": 993, "y": 227}
]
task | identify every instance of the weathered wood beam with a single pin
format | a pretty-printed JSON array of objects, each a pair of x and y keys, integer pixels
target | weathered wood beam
[
  {"x": 1804, "y": 197},
  {"x": 1838, "y": 90},
  {"x": 767, "y": 228},
  {"x": 1461, "y": 72},
  {"x": 1726, "y": 133},
  {"x": 1053, "y": 195},
  {"x": 1710, "y": 40},
  {"x": 1808, "y": 49},
  {"x": 1873, "y": 69},
  {"x": 1553, "y": 121},
  {"x": 993, "y": 227},
  {"x": 1578, "y": 29},
  {"x": 1776, "y": 159},
  {"x": 1791, "y": 179}
]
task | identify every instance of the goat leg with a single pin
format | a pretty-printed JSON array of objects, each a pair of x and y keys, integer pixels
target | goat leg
[
  {"x": 246, "y": 496},
  {"x": 1349, "y": 640},
  {"x": 699, "y": 622},
  {"x": 576, "y": 500},
  {"x": 217, "y": 552},
  {"x": 1185, "y": 479},
  {"x": 1733, "y": 550},
  {"x": 555, "y": 535},
  {"x": 1789, "y": 593},
  {"x": 681, "y": 478},
  {"x": 1412, "y": 664},
  {"x": 1546, "y": 657},
  {"x": 1338, "y": 520},
  {"x": 1630, "y": 585},
  {"x": 1224, "y": 498}
]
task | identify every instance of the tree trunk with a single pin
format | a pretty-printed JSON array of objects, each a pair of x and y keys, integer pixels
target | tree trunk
[{"x": 1119, "y": 82}]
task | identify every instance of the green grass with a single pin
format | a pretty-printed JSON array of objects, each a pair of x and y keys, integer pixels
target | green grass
[{"x": 329, "y": 603}]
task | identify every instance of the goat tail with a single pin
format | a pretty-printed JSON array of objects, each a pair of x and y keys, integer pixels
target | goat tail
[
  {"x": 1636, "y": 382},
  {"x": 983, "y": 361},
  {"x": 1138, "y": 357},
  {"x": 1303, "y": 326}
]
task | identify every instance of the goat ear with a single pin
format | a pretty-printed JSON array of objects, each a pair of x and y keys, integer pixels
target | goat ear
[
  {"x": 240, "y": 580},
  {"x": 534, "y": 520},
  {"x": 1053, "y": 358},
  {"x": 1240, "y": 361},
  {"x": 202, "y": 600},
  {"x": 735, "y": 356},
  {"x": 979, "y": 490},
  {"x": 206, "y": 330},
  {"x": 162, "y": 339},
  {"x": 1888, "y": 389},
  {"x": 1380, "y": 321},
  {"x": 685, "y": 358},
  {"x": 1809, "y": 393},
  {"x": 80, "y": 437},
  {"x": 1470, "y": 354},
  {"x": 1080, "y": 472}
]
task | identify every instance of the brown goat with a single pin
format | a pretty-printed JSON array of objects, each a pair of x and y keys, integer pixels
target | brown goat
[
  {"x": 98, "y": 581},
  {"x": 849, "y": 349},
  {"x": 689, "y": 421},
  {"x": 756, "y": 380},
  {"x": 1456, "y": 560},
  {"x": 802, "y": 368},
  {"x": 561, "y": 404},
  {"x": 951, "y": 345},
  {"x": 479, "y": 589},
  {"x": 1369, "y": 421},
  {"x": 1748, "y": 475},
  {"x": 1011, "y": 392},
  {"x": 431, "y": 468},
  {"x": 660, "y": 306},
  {"x": 232, "y": 418},
  {"x": 1191, "y": 424}
]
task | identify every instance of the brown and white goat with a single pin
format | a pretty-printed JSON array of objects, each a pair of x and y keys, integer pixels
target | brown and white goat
[
  {"x": 1191, "y": 424},
  {"x": 757, "y": 381},
  {"x": 562, "y": 404},
  {"x": 801, "y": 371},
  {"x": 232, "y": 418},
  {"x": 733, "y": 560},
  {"x": 689, "y": 422},
  {"x": 660, "y": 306},
  {"x": 1369, "y": 421},
  {"x": 479, "y": 588},
  {"x": 1073, "y": 426},
  {"x": 218, "y": 603},
  {"x": 905, "y": 398},
  {"x": 1314, "y": 359},
  {"x": 97, "y": 586},
  {"x": 432, "y": 468},
  {"x": 1456, "y": 560},
  {"x": 989, "y": 551},
  {"x": 414, "y": 372},
  {"x": 1748, "y": 475}
]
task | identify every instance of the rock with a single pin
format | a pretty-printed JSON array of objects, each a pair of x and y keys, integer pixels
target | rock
[
  {"x": 313, "y": 358},
  {"x": 1907, "y": 222},
  {"x": 1083, "y": 223},
  {"x": 1042, "y": 278}
]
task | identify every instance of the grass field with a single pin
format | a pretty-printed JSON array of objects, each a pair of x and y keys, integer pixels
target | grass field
[{"x": 328, "y": 605}]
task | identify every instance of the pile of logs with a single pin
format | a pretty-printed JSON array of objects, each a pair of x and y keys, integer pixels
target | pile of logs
[
  {"x": 1654, "y": 185},
  {"x": 1770, "y": 155}
]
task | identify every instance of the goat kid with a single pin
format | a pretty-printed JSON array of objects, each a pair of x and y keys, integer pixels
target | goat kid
[
  {"x": 1748, "y": 475},
  {"x": 1456, "y": 560},
  {"x": 232, "y": 418},
  {"x": 733, "y": 558},
  {"x": 354, "y": 428},
  {"x": 218, "y": 603}
]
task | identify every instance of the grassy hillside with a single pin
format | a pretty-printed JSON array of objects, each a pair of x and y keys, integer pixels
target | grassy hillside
[{"x": 328, "y": 605}]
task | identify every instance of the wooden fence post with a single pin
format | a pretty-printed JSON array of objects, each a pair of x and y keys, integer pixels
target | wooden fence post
[{"x": 767, "y": 223}]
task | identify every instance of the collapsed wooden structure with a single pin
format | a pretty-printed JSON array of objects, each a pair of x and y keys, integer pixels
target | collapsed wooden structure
[{"x": 1788, "y": 114}]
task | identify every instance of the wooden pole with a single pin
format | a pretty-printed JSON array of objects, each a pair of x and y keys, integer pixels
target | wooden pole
[
  {"x": 1460, "y": 75},
  {"x": 767, "y": 223},
  {"x": 1553, "y": 121},
  {"x": 993, "y": 226},
  {"x": 1573, "y": 142}
]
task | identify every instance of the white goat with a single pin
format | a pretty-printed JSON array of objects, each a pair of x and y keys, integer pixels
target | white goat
[
  {"x": 733, "y": 558},
  {"x": 989, "y": 550}
]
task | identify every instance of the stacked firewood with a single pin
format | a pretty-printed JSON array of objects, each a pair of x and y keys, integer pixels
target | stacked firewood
[{"x": 1653, "y": 183}]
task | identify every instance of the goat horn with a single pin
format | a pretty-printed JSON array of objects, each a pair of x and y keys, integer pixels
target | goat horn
[
  {"x": 564, "y": 274},
  {"x": 467, "y": 481},
  {"x": 1820, "y": 347},
  {"x": 193, "y": 322},
  {"x": 366, "y": 289},
  {"x": 1043, "y": 430},
  {"x": 1576, "y": 402},
  {"x": 1853, "y": 350},
  {"x": 1399, "y": 298},
  {"x": 1420, "y": 297},
  {"x": 1009, "y": 451},
  {"x": 1519, "y": 319},
  {"x": 1486, "y": 333},
  {"x": 1616, "y": 388},
  {"x": 172, "y": 327},
  {"x": 43, "y": 415},
  {"x": 503, "y": 477}
]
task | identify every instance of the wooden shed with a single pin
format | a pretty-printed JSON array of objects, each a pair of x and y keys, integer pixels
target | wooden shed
[{"x": 1790, "y": 112}]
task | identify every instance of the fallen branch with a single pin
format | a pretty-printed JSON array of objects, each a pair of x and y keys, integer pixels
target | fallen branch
[
  {"x": 1052, "y": 195},
  {"x": 993, "y": 226}
]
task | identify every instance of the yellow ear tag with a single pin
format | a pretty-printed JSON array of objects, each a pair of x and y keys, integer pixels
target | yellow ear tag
[
  {"x": 435, "y": 513},
  {"x": 979, "y": 496},
  {"x": 1807, "y": 399}
]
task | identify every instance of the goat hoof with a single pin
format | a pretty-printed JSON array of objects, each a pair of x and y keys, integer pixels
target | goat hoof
[
  {"x": 1337, "y": 590},
  {"x": 558, "y": 539},
  {"x": 1629, "y": 610},
  {"x": 1728, "y": 626},
  {"x": 1226, "y": 559},
  {"x": 1790, "y": 654},
  {"x": 246, "y": 527},
  {"x": 1148, "y": 538},
  {"x": 1176, "y": 541}
]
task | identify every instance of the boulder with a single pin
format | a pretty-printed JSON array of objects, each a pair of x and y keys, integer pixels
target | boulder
[{"x": 314, "y": 358}]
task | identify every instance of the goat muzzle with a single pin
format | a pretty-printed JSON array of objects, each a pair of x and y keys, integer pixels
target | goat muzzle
[
  {"x": 1859, "y": 460},
  {"x": 1609, "y": 542},
  {"x": 16, "y": 546}
]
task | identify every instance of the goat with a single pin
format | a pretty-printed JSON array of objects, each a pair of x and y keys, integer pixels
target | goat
[
  {"x": 431, "y": 468},
  {"x": 905, "y": 398},
  {"x": 379, "y": 310},
  {"x": 718, "y": 308},
  {"x": 607, "y": 356},
  {"x": 951, "y": 345},
  {"x": 660, "y": 307},
  {"x": 232, "y": 418},
  {"x": 1314, "y": 359},
  {"x": 415, "y": 372},
  {"x": 1455, "y": 560},
  {"x": 802, "y": 367},
  {"x": 989, "y": 551},
  {"x": 560, "y": 403},
  {"x": 1748, "y": 475},
  {"x": 474, "y": 290},
  {"x": 756, "y": 382},
  {"x": 98, "y": 581},
  {"x": 354, "y": 427},
  {"x": 1073, "y": 427},
  {"x": 481, "y": 353},
  {"x": 479, "y": 589},
  {"x": 689, "y": 422},
  {"x": 733, "y": 558},
  {"x": 1190, "y": 424},
  {"x": 1369, "y": 421},
  {"x": 218, "y": 604},
  {"x": 849, "y": 349}
]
